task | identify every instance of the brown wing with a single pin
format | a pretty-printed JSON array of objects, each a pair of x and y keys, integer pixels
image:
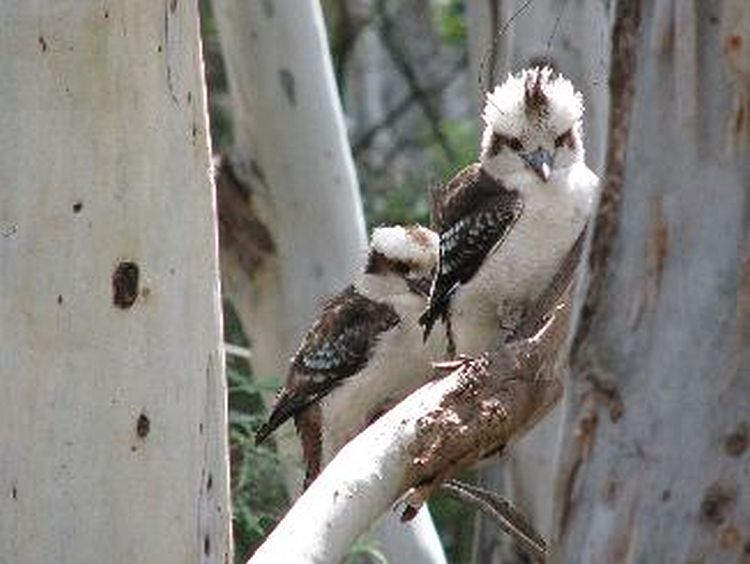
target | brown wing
[
  {"x": 337, "y": 346},
  {"x": 474, "y": 213}
]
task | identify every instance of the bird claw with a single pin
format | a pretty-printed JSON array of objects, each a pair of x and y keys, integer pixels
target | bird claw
[{"x": 414, "y": 499}]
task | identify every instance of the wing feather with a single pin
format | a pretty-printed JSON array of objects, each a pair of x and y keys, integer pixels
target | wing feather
[
  {"x": 336, "y": 347},
  {"x": 474, "y": 214}
]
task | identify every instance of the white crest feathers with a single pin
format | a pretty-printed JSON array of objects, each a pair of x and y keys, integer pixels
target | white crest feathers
[
  {"x": 414, "y": 244},
  {"x": 505, "y": 105}
]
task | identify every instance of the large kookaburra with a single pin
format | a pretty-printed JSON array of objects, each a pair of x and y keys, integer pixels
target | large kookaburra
[
  {"x": 365, "y": 351},
  {"x": 507, "y": 222}
]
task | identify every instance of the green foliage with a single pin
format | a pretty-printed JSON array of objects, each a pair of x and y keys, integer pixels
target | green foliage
[
  {"x": 450, "y": 20},
  {"x": 409, "y": 202},
  {"x": 455, "y": 524},
  {"x": 365, "y": 550},
  {"x": 259, "y": 498}
]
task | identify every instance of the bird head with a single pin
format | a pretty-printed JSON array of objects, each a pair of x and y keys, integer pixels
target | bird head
[
  {"x": 406, "y": 253},
  {"x": 533, "y": 123}
]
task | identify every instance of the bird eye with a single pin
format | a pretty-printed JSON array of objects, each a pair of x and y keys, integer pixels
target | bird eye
[
  {"x": 564, "y": 139},
  {"x": 497, "y": 143},
  {"x": 515, "y": 144}
]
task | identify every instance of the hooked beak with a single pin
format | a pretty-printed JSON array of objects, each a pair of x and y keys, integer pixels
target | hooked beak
[{"x": 540, "y": 161}]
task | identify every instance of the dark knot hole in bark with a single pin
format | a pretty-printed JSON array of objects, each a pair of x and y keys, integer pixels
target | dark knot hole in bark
[
  {"x": 125, "y": 284},
  {"x": 143, "y": 426}
]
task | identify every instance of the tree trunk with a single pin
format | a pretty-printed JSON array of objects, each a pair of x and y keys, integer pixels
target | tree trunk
[
  {"x": 113, "y": 403},
  {"x": 654, "y": 461},
  {"x": 291, "y": 151},
  {"x": 506, "y": 36}
]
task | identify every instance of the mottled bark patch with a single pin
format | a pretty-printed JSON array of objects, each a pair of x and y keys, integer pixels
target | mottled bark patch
[
  {"x": 286, "y": 79},
  {"x": 658, "y": 244},
  {"x": 622, "y": 92},
  {"x": 608, "y": 394},
  {"x": 240, "y": 229},
  {"x": 735, "y": 443},
  {"x": 143, "y": 426},
  {"x": 717, "y": 503},
  {"x": 268, "y": 8},
  {"x": 730, "y": 538}
]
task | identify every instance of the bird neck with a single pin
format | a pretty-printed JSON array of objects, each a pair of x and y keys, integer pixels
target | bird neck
[{"x": 379, "y": 286}]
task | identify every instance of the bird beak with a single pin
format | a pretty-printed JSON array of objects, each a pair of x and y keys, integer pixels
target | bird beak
[{"x": 540, "y": 161}]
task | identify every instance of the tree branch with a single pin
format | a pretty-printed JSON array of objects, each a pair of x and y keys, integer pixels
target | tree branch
[{"x": 447, "y": 425}]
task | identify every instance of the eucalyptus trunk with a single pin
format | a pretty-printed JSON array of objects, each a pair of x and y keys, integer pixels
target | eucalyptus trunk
[
  {"x": 654, "y": 463},
  {"x": 112, "y": 393}
]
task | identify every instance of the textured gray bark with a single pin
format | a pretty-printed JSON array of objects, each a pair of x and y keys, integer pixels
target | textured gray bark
[{"x": 654, "y": 464}]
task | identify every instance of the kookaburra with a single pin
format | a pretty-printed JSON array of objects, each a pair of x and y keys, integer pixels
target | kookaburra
[
  {"x": 365, "y": 351},
  {"x": 507, "y": 222}
]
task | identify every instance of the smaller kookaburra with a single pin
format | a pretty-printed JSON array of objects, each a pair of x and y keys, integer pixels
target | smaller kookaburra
[
  {"x": 507, "y": 222},
  {"x": 365, "y": 351}
]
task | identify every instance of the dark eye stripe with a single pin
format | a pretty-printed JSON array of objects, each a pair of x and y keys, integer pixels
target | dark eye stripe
[
  {"x": 564, "y": 139},
  {"x": 499, "y": 140}
]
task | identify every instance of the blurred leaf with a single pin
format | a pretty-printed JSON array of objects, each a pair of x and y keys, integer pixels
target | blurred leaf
[{"x": 450, "y": 20}]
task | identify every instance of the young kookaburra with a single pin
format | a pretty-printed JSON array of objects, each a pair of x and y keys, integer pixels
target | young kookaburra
[
  {"x": 365, "y": 351},
  {"x": 507, "y": 222}
]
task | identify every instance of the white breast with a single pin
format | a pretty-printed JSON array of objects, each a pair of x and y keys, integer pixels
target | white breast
[{"x": 521, "y": 268}]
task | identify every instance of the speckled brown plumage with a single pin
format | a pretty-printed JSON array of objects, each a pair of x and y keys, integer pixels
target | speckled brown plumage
[{"x": 337, "y": 346}]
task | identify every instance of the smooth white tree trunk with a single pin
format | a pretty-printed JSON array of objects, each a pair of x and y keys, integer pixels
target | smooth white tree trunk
[
  {"x": 112, "y": 393},
  {"x": 655, "y": 462},
  {"x": 291, "y": 150}
]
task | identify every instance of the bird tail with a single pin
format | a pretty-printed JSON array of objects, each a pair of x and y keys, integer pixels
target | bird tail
[
  {"x": 262, "y": 433},
  {"x": 427, "y": 321},
  {"x": 439, "y": 306},
  {"x": 283, "y": 410}
]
